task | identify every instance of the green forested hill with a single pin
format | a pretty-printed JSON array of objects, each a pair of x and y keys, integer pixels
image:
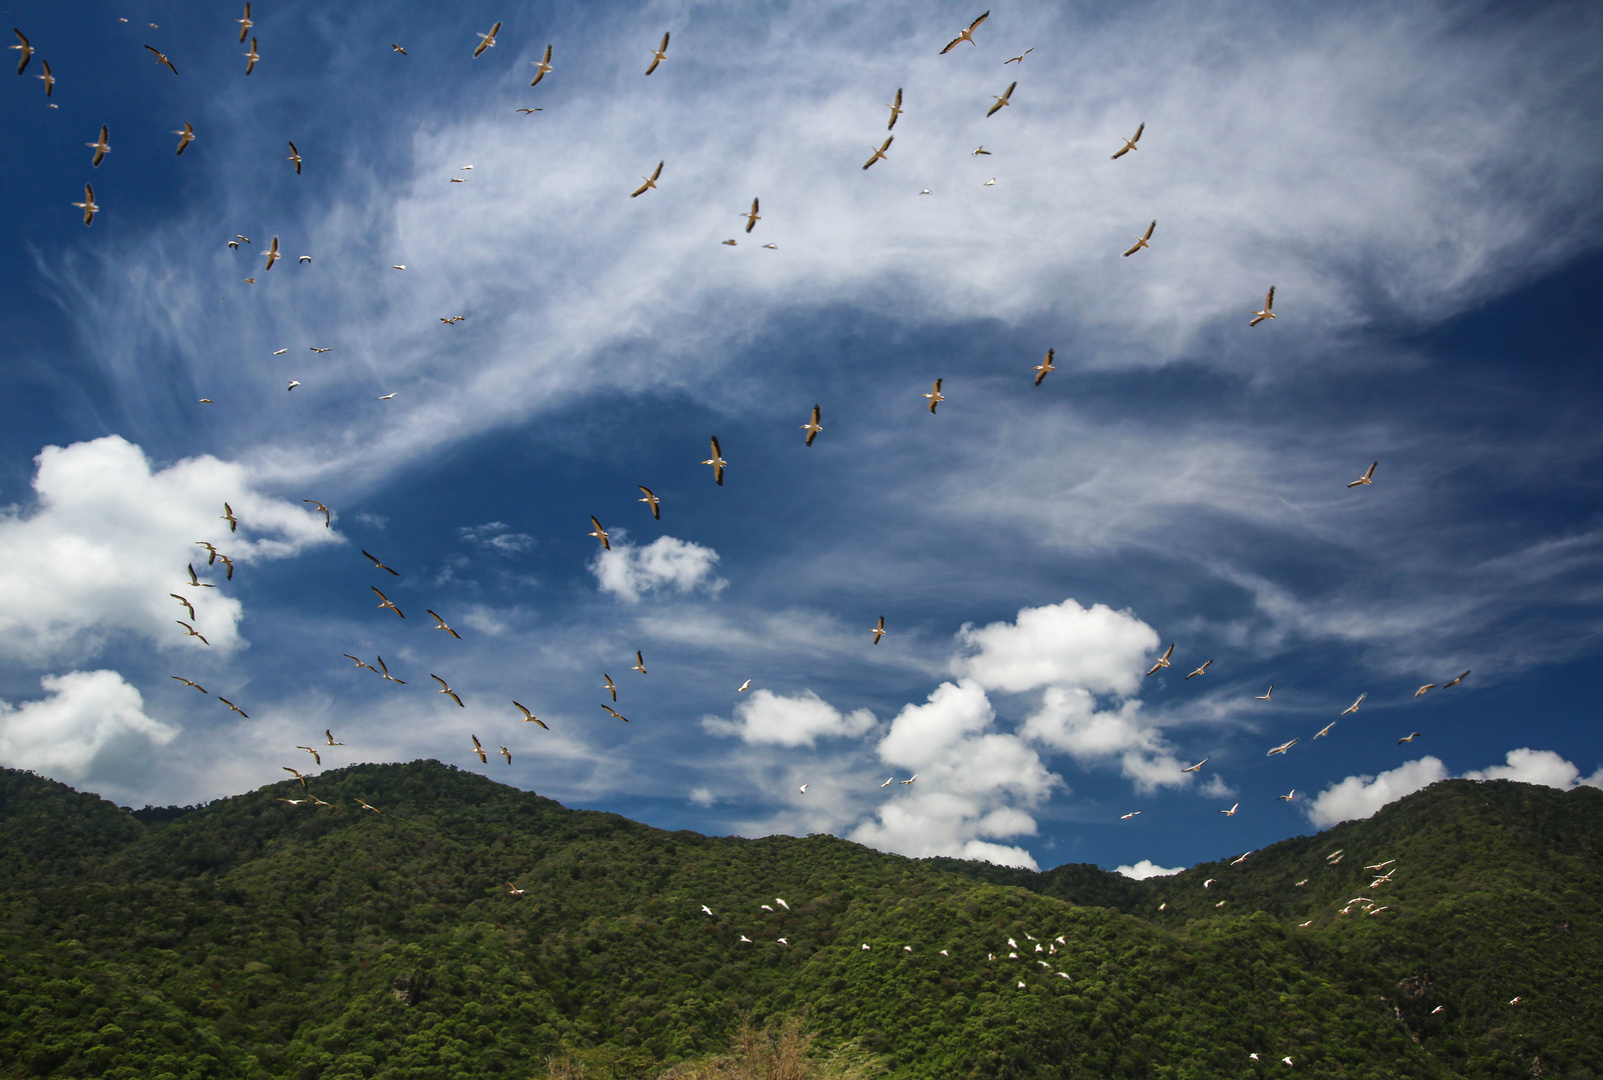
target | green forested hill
[{"x": 249, "y": 938}]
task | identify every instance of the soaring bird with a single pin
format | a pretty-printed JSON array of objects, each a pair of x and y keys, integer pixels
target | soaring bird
[
  {"x": 292, "y": 802},
  {"x": 935, "y": 396},
  {"x": 1325, "y": 730},
  {"x": 1367, "y": 478},
  {"x": 1141, "y": 241},
  {"x": 513, "y": 890},
  {"x": 1200, "y": 670},
  {"x": 889, "y": 780},
  {"x": 813, "y": 427},
  {"x": 1422, "y": 689},
  {"x": 1232, "y": 811},
  {"x": 964, "y": 35},
  {"x": 360, "y": 663},
  {"x": 1131, "y": 814},
  {"x": 1194, "y": 768},
  {"x": 1162, "y": 661},
  {"x": 1002, "y": 101},
  {"x": 365, "y": 806},
  {"x": 272, "y": 254},
  {"x": 190, "y": 631},
  {"x": 650, "y": 182},
  {"x": 879, "y": 630},
  {"x": 186, "y": 603},
  {"x": 529, "y": 112},
  {"x": 295, "y": 156},
  {"x": 317, "y": 759},
  {"x": 384, "y": 671},
  {"x": 486, "y": 41},
  {"x": 398, "y": 49},
  {"x": 910, "y": 779},
  {"x": 1045, "y": 367},
  {"x": 244, "y": 24},
  {"x": 228, "y": 516},
  {"x": 380, "y": 565},
  {"x": 659, "y": 54},
  {"x": 100, "y": 146},
  {"x": 296, "y": 773},
  {"x": 1282, "y": 748},
  {"x": 640, "y": 662},
  {"x": 896, "y": 109},
  {"x": 479, "y": 750},
  {"x": 616, "y": 713},
  {"x": 440, "y": 625},
  {"x": 236, "y": 708},
  {"x": 161, "y": 58},
  {"x": 1410, "y": 738},
  {"x": 979, "y": 150},
  {"x": 251, "y": 57},
  {"x": 49, "y": 79},
  {"x": 386, "y": 602},
  {"x": 599, "y": 533},
  {"x": 186, "y": 135},
  {"x": 1455, "y": 682},
  {"x": 1268, "y": 311},
  {"x": 23, "y": 46},
  {"x": 195, "y": 582},
  {"x": 1354, "y": 706},
  {"x": 1265, "y": 695},
  {"x": 506, "y": 754},
  {"x": 190, "y": 682},
  {"x": 1288, "y": 796},
  {"x": 611, "y": 687},
  {"x": 445, "y": 688},
  {"x": 1019, "y": 59},
  {"x": 743, "y": 687},
  {"x": 544, "y": 64},
  {"x": 879, "y": 155},
  {"x": 752, "y": 216},
  {"x": 530, "y": 718},
  {"x": 327, "y": 520},
  {"x": 1129, "y": 144},
  {"x": 717, "y": 462},
  {"x": 89, "y": 206},
  {"x": 650, "y": 500}
]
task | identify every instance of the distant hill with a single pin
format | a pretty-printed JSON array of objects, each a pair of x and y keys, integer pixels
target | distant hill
[{"x": 252, "y": 938}]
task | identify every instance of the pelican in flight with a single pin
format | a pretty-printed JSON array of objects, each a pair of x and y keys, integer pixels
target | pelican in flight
[
  {"x": 186, "y": 603},
  {"x": 190, "y": 631},
  {"x": 611, "y": 687},
  {"x": 190, "y": 682},
  {"x": 360, "y": 663},
  {"x": 195, "y": 582},
  {"x": 228, "y": 516},
  {"x": 743, "y": 687},
  {"x": 615, "y": 713},
  {"x": 1282, "y": 748},
  {"x": 752, "y": 216},
  {"x": 1002, "y": 101},
  {"x": 161, "y": 58},
  {"x": 1422, "y": 689},
  {"x": 244, "y": 24},
  {"x": 445, "y": 688},
  {"x": 236, "y": 708},
  {"x": 365, "y": 806},
  {"x": 964, "y": 35},
  {"x": 384, "y": 671},
  {"x": 1163, "y": 661},
  {"x": 544, "y": 64},
  {"x": 1141, "y": 240},
  {"x": 659, "y": 54},
  {"x": 1455, "y": 682},
  {"x": 88, "y": 206},
  {"x": 935, "y": 395},
  {"x": 978, "y": 150},
  {"x": 530, "y": 718},
  {"x": 650, "y": 182},
  {"x": 879, "y": 155},
  {"x": 813, "y": 427},
  {"x": 896, "y": 109},
  {"x": 1325, "y": 730},
  {"x": 479, "y": 750},
  {"x": 100, "y": 146},
  {"x": 1127, "y": 817},
  {"x": 879, "y": 630},
  {"x": 186, "y": 135},
  {"x": 889, "y": 780},
  {"x": 251, "y": 57},
  {"x": 23, "y": 46},
  {"x": 49, "y": 80},
  {"x": 1409, "y": 738},
  {"x": 1265, "y": 695},
  {"x": 317, "y": 759},
  {"x": 1129, "y": 144},
  {"x": 1045, "y": 367},
  {"x": 272, "y": 254},
  {"x": 910, "y": 779},
  {"x": 1019, "y": 59},
  {"x": 381, "y": 566},
  {"x": 599, "y": 533},
  {"x": 1200, "y": 670},
  {"x": 640, "y": 662},
  {"x": 1288, "y": 796},
  {"x": 399, "y": 49},
  {"x": 717, "y": 462},
  {"x": 1194, "y": 768},
  {"x": 1268, "y": 311},
  {"x": 513, "y": 890},
  {"x": 295, "y": 156},
  {"x": 1354, "y": 706},
  {"x": 441, "y": 626},
  {"x": 386, "y": 602},
  {"x": 486, "y": 41},
  {"x": 1232, "y": 811},
  {"x": 1367, "y": 478},
  {"x": 327, "y": 520},
  {"x": 297, "y": 775},
  {"x": 650, "y": 500}
]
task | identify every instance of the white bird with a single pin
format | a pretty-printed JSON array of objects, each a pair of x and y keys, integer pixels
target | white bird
[
  {"x": 1265, "y": 695},
  {"x": 1381, "y": 865},
  {"x": 1515, "y": 1000},
  {"x": 706, "y": 909},
  {"x": 1232, "y": 811},
  {"x": 1240, "y": 858},
  {"x": 743, "y": 686},
  {"x": 910, "y": 779},
  {"x": 1301, "y": 883},
  {"x": 1367, "y": 478},
  {"x": 1268, "y": 309},
  {"x": 804, "y": 788},
  {"x": 968, "y": 36},
  {"x": 293, "y": 383},
  {"x": 865, "y": 946},
  {"x": 1354, "y": 706},
  {"x": 1163, "y": 661},
  {"x": 889, "y": 780},
  {"x": 1200, "y": 670},
  {"x": 1209, "y": 883},
  {"x": 1325, "y": 730},
  {"x": 1282, "y": 748},
  {"x": 659, "y": 54},
  {"x": 1127, "y": 817},
  {"x": 1194, "y": 768},
  {"x": 487, "y": 41},
  {"x": 1141, "y": 240},
  {"x": 744, "y": 940},
  {"x": 1129, "y": 144},
  {"x": 650, "y": 181},
  {"x": 1288, "y": 796},
  {"x": 398, "y": 266},
  {"x": 781, "y": 902}
]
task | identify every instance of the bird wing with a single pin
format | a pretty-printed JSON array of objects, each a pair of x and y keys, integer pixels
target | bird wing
[
  {"x": 1150, "y": 229},
  {"x": 1269, "y": 301},
  {"x": 975, "y": 24},
  {"x": 1137, "y": 136},
  {"x": 1123, "y": 150},
  {"x": 639, "y": 191},
  {"x": 1134, "y": 248},
  {"x": 27, "y": 50}
]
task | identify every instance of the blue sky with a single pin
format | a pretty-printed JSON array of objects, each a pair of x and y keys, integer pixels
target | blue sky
[{"x": 1419, "y": 186}]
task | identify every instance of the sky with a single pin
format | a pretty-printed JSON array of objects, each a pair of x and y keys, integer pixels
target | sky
[{"x": 1418, "y": 185}]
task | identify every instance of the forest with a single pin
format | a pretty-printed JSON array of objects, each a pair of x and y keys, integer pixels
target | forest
[{"x": 470, "y": 929}]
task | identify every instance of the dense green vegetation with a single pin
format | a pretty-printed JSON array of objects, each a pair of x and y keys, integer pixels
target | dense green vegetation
[{"x": 250, "y": 938}]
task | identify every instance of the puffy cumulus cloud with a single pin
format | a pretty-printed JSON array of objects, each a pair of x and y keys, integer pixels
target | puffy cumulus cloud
[
  {"x": 702, "y": 796},
  {"x": 1069, "y": 720},
  {"x": 978, "y": 785},
  {"x": 1097, "y": 648},
  {"x": 1361, "y": 796},
  {"x": 87, "y": 719},
  {"x": 1146, "y": 868},
  {"x": 1538, "y": 767},
  {"x": 496, "y": 536},
  {"x": 667, "y": 562},
  {"x": 108, "y": 539},
  {"x": 801, "y": 720}
]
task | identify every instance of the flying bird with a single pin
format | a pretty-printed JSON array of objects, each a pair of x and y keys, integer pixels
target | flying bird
[
  {"x": 1268, "y": 311},
  {"x": 296, "y": 773},
  {"x": 49, "y": 80},
  {"x": 360, "y": 663},
  {"x": 251, "y": 57},
  {"x": 1019, "y": 59},
  {"x": 190, "y": 631},
  {"x": 640, "y": 662},
  {"x": 1354, "y": 706},
  {"x": 244, "y": 24},
  {"x": 1129, "y": 144},
  {"x": 398, "y": 49},
  {"x": 1288, "y": 796},
  {"x": 1127, "y": 817},
  {"x": 978, "y": 150},
  {"x": 1200, "y": 670},
  {"x": 650, "y": 500},
  {"x": 611, "y": 687},
  {"x": 600, "y": 533},
  {"x": 896, "y": 109},
  {"x": 544, "y": 64},
  {"x": 1367, "y": 478},
  {"x": 317, "y": 759},
  {"x": 487, "y": 41},
  {"x": 100, "y": 146},
  {"x": 1282, "y": 748},
  {"x": 964, "y": 35},
  {"x": 236, "y": 708},
  {"x": 1232, "y": 811},
  {"x": 380, "y": 565},
  {"x": 89, "y": 206},
  {"x": 272, "y": 254},
  {"x": 441, "y": 626},
  {"x": 479, "y": 750},
  {"x": 752, "y": 216},
  {"x": 1410, "y": 738},
  {"x": 1422, "y": 689},
  {"x": 935, "y": 395},
  {"x": 1045, "y": 367},
  {"x": 186, "y": 135},
  {"x": 743, "y": 687},
  {"x": 161, "y": 58},
  {"x": 23, "y": 46},
  {"x": 879, "y": 630},
  {"x": 384, "y": 671},
  {"x": 1163, "y": 661},
  {"x": 879, "y": 155},
  {"x": 327, "y": 520},
  {"x": 659, "y": 54},
  {"x": 1141, "y": 241},
  {"x": 1002, "y": 101},
  {"x": 530, "y": 112},
  {"x": 1455, "y": 682},
  {"x": 717, "y": 462},
  {"x": 190, "y": 682},
  {"x": 1325, "y": 730},
  {"x": 650, "y": 181},
  {"x": 889, "y": 780},
  {"x": 293, "y": 383},
  {"x": 530, "y": 718},
  {"x": 1265, "y": 695},
  {"x": 910, "y": 779},
  {"x": 295, "y": 156},
  {"x": 387, "y": 602},
  {"x": 195, "y": 582},
  {"x": 184, "y": 602},
  {"x": 445, "y": 688},
  {"x": 813, "y": 427},
  {"x": 365, "y": 806},
  {"x": 1194, "y": 768},
  {"x": 616, "y": 713}
]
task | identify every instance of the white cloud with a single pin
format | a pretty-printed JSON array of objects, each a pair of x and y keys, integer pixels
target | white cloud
[
  {"x": 1098, "y": 648},
  {"x": 701, "y": 796},
  {"x": 802, "y": 720},
  {"x": 1538, "y": 767},
  {"x": 1146, "y": 868},
  {"x": 108, "y": 541},
  {"x": 1361, "y": 796},
  {"x": 497, "y": 536},
  {"x": 666, "y": 563},
  {"x": 88, "y": 718}
]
